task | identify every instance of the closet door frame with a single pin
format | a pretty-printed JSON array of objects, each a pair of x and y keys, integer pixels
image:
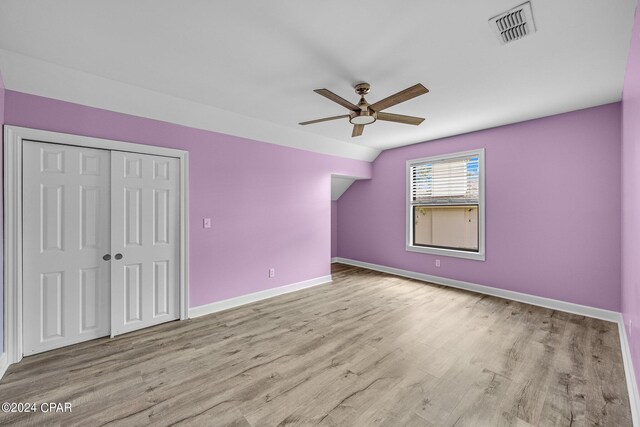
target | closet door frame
[{"x": 13, "y": 138}]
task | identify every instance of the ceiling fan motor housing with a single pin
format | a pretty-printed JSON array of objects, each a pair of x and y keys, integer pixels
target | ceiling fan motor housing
[{"x": 365, "y": 116}]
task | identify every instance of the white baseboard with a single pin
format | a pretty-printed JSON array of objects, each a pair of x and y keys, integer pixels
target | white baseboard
[
  {"x": 630, "y": 375},
  {"x": 214, "y": 307},
  {"x": 334, "y": 259},
  {"x": 583, "y": 310},
  {"x": 4, "y": 364}
]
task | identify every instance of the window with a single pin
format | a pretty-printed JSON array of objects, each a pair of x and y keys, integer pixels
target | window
[{"x": 445, "y": 205}]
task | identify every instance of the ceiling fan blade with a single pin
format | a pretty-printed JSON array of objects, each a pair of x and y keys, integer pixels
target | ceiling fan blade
[
  {"x": 397, "y": 98},
  {"x": 357, "y": 130},
  {"x": 326, "y": 119},
  {"x": 335, "y": 98},
  {"x": 399, "y": 118}
]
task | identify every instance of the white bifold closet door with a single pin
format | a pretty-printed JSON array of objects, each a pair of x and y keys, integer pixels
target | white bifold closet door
[
  {"x": 65, "y": 213},
  {"x": 100, "y": 243},
  {"x": 145, "y": 220}
]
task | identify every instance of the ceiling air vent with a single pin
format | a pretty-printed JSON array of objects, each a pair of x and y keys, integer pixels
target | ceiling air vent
[{"x": 514, "y": 24}]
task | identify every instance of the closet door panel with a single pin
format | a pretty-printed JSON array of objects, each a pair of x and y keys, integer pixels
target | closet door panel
[
  {"x": 145, "y": 226},
  {"x": 65, "y": 235}
]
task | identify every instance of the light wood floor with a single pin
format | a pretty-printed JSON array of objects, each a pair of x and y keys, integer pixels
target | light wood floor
[{"x": 369, "y": 349}]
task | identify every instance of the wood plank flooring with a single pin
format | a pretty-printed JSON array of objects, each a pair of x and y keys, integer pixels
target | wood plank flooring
[{"x": 370, "y": 349}]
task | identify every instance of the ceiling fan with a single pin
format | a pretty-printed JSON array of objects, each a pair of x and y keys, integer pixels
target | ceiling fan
[{"x": 365, "y": 113}]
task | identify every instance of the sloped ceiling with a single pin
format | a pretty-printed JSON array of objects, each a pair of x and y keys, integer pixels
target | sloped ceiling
[
  {"x": 340, "y": 184},
  {"x": 249, "y": 67}
]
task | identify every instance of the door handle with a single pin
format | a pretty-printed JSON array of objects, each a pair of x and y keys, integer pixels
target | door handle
[
  {"x": 107, "y": 257},
  {"x": 118, "y": 256}
]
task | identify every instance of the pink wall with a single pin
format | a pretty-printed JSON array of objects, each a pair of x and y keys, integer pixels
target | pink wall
[
  {"x": 238, "y": 183},
  {"x": 334, "y": 228},
  {"x": 552, "y": 209},
  {"x": 631, "y": 197}
]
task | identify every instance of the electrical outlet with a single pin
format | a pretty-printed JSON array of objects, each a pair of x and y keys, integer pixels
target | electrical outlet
[
  {"x": 437, "y": 263},
  {"x": 206, "y": 223},
  {"x": 272, "y": 272}
]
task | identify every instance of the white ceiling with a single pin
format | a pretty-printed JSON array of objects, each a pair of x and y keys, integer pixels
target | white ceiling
[
  {"x": 230, "y": 61},
  {"x": 340, "y": 184}
]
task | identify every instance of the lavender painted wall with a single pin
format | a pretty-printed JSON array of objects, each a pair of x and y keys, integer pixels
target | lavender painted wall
[
  {"x": 631, "y": 197},
  {"x": 334, "y": 228},
  {"x": 2, "y": 92},
  {"x": 270, "y": 204},
  {"x": 552, "y": 209}
]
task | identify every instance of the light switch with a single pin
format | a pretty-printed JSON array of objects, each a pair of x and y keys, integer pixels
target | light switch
[{"x": 206, "y": 223}]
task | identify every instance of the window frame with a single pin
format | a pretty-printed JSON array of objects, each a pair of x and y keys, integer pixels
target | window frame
[{"x": 457, "y": 253}]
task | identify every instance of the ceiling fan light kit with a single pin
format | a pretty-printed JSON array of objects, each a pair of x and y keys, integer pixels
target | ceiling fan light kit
[
  {"x": 362, "y": 118},
  {"x": 365, "y": 114}
]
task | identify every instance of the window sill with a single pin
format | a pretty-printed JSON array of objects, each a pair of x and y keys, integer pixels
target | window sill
[{"x": 478, "y": 256}]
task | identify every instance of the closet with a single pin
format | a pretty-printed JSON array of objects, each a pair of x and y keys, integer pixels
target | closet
[{"x": 100, "y": 243}]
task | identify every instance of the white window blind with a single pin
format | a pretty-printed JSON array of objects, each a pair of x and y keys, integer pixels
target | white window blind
[{"x": 451, "y": 181}]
